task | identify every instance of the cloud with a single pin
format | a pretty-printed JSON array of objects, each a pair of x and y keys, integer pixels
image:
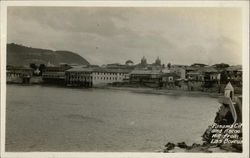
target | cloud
[{"x": 106, "y": 35}]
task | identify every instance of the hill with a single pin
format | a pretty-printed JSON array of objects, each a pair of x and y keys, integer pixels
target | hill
[{"x": 19, "y": 55}]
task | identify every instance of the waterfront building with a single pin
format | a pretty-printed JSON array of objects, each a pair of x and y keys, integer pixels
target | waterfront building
[
  {"x": 203, "y": 78},
  {"x": 180, "y": 71},
  {"x": 18, "y": 74},
  {"x": 195, "y": 80},
  {"x": 94, "y": 77},
  {"x": 212, "y": 77},
  {"x": 150, "y": 78},
  {"x": 190, "y": 70},
  {"x": 168, "y": 80},
  {"x": 79, "y": 77},
  {"x": 104, "y": 76},
  {"x": 55, "y": 74},
  {"x": 195, "y": 76}
]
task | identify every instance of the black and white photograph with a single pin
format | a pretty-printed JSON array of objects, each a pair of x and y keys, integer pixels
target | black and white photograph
[{"x": 162, "y": 79}]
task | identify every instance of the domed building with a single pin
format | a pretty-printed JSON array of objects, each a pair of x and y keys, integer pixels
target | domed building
[{"x": 129, "y": 62}]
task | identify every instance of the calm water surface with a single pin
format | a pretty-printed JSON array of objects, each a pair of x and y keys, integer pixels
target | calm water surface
[{"x": 40, "y": 118}]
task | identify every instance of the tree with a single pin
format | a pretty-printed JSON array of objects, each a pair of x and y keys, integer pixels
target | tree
[
  {"x": 129, "y": 62},
  {"x": 41, "y": 69},
  {"x": 169, "y": 65},
  {"x": 221, "y": 66},
  {"x": 198, "y": 65},
  {"x": 33, "y": 66},
  {"x": 224, "y": 77}
]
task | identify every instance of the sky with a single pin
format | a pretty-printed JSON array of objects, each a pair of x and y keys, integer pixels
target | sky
[{"x": 105, "y": 35}]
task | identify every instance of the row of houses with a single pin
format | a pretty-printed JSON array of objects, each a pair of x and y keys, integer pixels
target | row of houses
[{"x": 151, "y": 75}]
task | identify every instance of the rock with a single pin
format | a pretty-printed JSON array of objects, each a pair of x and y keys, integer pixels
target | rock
[
  {"x": 199, "y": 149},
  {"x": 238, "y": 147},
  {"x": 170, "y": 146},
  {"x": 207, "y": 136},
  {"x": 177, "y": 150},
  {"x": 229, "y": 147},
  {"x": 182, "y": 145},
  {"x": 195, "y": 145}
]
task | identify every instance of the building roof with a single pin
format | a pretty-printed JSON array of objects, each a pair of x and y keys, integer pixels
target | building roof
[
  {"x": 111, "y": 70},
  {"x": 18, "y": 68},
  {"x": 169, "y": 74},
  {"x": 146, "y": 72},
  {"x": 191, "y": 68},
  {"x": 208, "y": 69},
  {"x": 229, "y": 86},
  {"x": 179, "y": 66},
  {"x": 79, "y": 69},
  {"x": 234, "y": 68},
  {"x": 193, "y": 73},
  {"x": 97, "y": 69}
]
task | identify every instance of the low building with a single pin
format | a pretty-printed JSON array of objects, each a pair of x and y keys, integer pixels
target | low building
[
  {"x": 55, "y": 74},
  {"x": 79, "y": 77},
  {"x": 195, "y": 76},
  {"x": 212, "y": 77},
  {"x": 18, "y": 74},
  {"x": 150, "y": 78},
  {"x": 181, "y": 72},
  {"x": 190, "y": 69},
  {"x": 168, "y": 80},
  {"x": 195, "y": 80},
  {"x": 94, "y": 77},
  {"x": 104, "y": 76}
]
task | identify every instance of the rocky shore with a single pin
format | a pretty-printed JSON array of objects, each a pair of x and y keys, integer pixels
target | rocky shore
[
  {"x": 200, "y": 148},
  {"x": 225, "y": 135}
]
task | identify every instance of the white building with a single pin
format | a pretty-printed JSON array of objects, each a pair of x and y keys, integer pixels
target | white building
[{"x": 103, "y": 76}]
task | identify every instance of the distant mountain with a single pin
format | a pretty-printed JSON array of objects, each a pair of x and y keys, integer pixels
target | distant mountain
[{"x": 19, "y": 55}]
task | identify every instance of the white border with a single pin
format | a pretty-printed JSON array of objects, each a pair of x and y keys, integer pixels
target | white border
[{"x": 245, "y": 12}]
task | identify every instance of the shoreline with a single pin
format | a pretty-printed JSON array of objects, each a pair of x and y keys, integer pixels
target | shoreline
[
  {"x": 155, "y": 91},
  {"x": 144, "y": 90}
]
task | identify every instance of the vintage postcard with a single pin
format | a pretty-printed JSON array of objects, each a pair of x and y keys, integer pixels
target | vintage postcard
[{"x": 125, "y": 79}]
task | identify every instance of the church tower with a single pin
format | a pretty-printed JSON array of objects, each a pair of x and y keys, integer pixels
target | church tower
[
  {"x": 143, "y": 61},
  {"x": 158, "y": 61}
]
